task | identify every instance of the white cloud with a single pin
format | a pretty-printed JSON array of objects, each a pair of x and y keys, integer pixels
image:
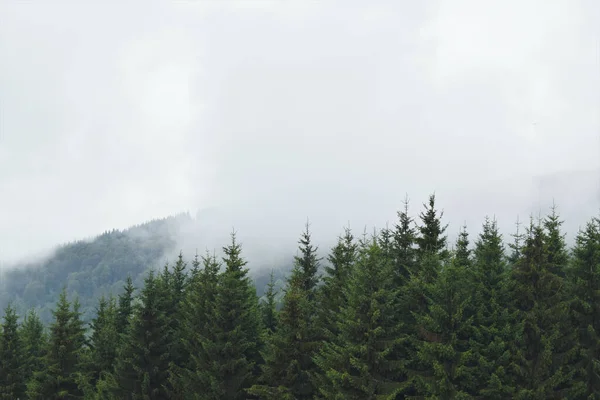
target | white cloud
[{"x": 115, "y": 114}]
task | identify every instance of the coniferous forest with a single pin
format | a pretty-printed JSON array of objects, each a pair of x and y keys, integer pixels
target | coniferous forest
[{"x": 397, "y": 313}]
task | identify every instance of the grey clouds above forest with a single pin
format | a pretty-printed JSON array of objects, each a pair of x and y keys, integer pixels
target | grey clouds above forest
[{"x": 115, "y": 114}]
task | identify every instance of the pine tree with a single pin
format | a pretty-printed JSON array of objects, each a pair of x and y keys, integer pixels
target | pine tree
[
  {"x": 558, "y": 256},
  {"x": 64, "y": 355},
  {"x": 431, "y": 238},
  {"x": 493, "y": 319},
  {"x": 447, "y": 367},
  {"x": 12, "y": 367},
  {"x": 463, "y": 252},
  {"x": 34, "y": 340},
  {"x": 538, "y": 294},
  {"x": 198, "y": 309},
  {"x": 230, "y": 348},
  {"x": 517, "y": 244},
  {"x": 142, "y": 363},
  {"x": 125, "y": 307},
  {"x": 268, "y": 307},
  {"x": 172, "y": 290},
  {"x": 104, "y": 339},
  {"x": 308, "y": 262},
  {"x": 405, "y": 237},
  {"x": 585, "y": 290},
  {"x": 420, "y": 255},
  {"x": 359, "y": 362},
  {"x": 285, "y": 372},
  {"x": 288, "y": 355},
  {"x": 332, "y": 296}
]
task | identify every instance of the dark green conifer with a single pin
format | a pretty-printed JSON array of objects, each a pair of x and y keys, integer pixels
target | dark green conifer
[
  {"x": 431, "y": 238},
  {"x": 142, "y": 364},
  {"x": 12, "y": 365},
  {"x": 288, "y": 352},
  {"x": 64, "y": 356},
  {"x": 268, "y": 307},
  {"x": 405, "y": 237},
  {"x": 34, "y": 339},
  {"x": 332, "y": 294},
  {"x": 585, "y": 290},
  {"x": 230, "y": 348},
  {"x": 359, "y": 362},
  {"x": 308, "y": 262},
  {"x": 493, "y": 319},
  {"x": 462, "y": 252},
  {"x": 125, "y": 308},
  {"x": 446, "y": 365},
  {"x": 197, "y": 311},
  {"x": 104, "y": 339},
  {"x": 539, "y": 297}
]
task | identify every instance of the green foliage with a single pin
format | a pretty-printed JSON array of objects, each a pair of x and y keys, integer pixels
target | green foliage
[
  {"x": 444, "y": 329},
  {"x": 358, "y": 363},
  {"x": 90, "y": 269},
  {"x": 12, "y": 368},
  {"x": 542, "y": 346},
  {"x": 493, "y": 321},
  {"x": 142, "y": 365},
  {"x": 287, "y": 357},
  {"x": 231, "y": 344},
  {"x": 308, "y": 263},
  {"x": 268, "y": 308},
  {"x": 405, "y": 237},
  {"x": 125, "y": 307},
  {"x": 584, "y": 276},
  {"x": 64, "y": 355},
  {"x": 332, "y": 295},
  {"x": 431, "y": 238},
  {"x": 397, "y": 316},
  {"x": 104, "y": 339}
]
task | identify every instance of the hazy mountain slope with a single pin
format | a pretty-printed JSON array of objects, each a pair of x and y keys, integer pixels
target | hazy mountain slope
[{"x": 100, "y": 266}]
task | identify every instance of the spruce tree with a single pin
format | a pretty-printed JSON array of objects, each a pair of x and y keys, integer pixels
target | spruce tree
[
  {"x": 172, "y": 290},
  {"x": 493, "y": 319},
  {"x": 198, "y": 309},
  {"x": 142, "y": 364},
  {"x": 447, "y": 366},
  {"x": 359, "y": 362},
  {"x": 462, "y": 251},
  {"x": 64, "y": 356},
  {"x": 231, "y": 345},
  {"x": 332, "y": 296},
  {"x": 288, "y": 362},
  {"x": 308, "y": 262},
  {"x": 288, "y": 352},
  {"x": 584, "y": 276},
  {"x": 12, "y": 365},
  {"x": 517, "y": 244},
  {"x": 558, "y": 256},
  {"x": 125, "y": 307},
  {"x": 268, "y": 307},
  {"x": 431, "y": 238},
  {"x": 405, "y": 237},
  {"x": 34, "y": 340},
  {"x": 104, "y": 338},
  {"x": 538, "y": 293}
]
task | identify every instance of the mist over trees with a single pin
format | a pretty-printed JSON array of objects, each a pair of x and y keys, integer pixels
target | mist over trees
[{"x": 395, "y": 313}]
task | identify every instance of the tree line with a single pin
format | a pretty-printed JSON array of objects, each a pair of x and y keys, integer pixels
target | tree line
[{"x": 393, "y": 314}]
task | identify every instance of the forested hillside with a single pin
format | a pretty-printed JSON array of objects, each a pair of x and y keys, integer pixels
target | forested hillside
[
  {"x": 393, "y": 314},
  {"x": 89, "y": 269}
]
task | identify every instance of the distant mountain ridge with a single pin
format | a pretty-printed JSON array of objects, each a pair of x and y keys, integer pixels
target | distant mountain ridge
[
  {"x": 90, "y": 268},
  {"x": 99, "y": 266}
]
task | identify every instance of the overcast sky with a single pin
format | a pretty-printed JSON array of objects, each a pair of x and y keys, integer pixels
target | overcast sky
[{"x": 113, "y": 113}]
